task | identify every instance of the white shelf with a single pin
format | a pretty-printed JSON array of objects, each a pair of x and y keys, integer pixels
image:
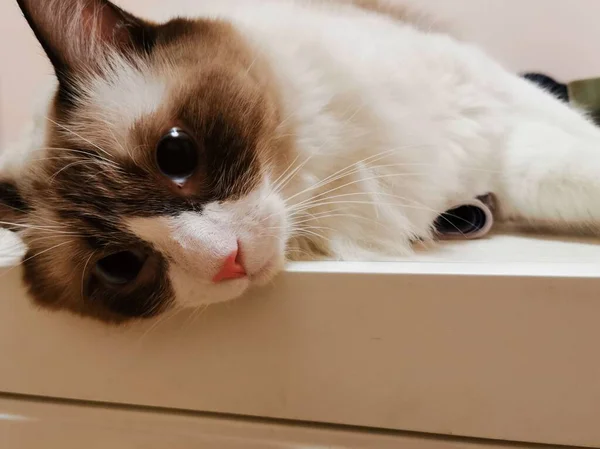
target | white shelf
[
  {"x": 26, "y": 424},
  {"x": 494, "y": 339},
  {"x": 499, "y": 255}
]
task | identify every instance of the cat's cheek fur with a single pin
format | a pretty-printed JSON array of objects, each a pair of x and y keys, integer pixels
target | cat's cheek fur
[
  {"x": 192, "y": 291},
  {"x": 196, "y": 244}
]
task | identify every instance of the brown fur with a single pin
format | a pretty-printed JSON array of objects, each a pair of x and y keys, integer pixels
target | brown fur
[
  {"x": 389, "y": 8},
  {"x": 396, "y": 11}
]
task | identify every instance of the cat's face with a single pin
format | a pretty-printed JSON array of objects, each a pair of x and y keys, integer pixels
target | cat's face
[{"x": 156, "y": 186}]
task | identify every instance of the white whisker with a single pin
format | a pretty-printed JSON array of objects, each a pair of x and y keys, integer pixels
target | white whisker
[
  {"x": 83, "y": 273},
  {"x": 80, "y": 136}
]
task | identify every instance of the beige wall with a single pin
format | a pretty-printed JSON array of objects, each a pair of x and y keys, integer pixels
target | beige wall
[{"x": 558, "y": 36}]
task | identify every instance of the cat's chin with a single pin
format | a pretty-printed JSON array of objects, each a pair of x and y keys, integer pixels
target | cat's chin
[{"x": 267, "y": 272}]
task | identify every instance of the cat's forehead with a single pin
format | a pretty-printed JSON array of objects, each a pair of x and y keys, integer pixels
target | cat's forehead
[
  {"x": 107, "y": 108},
  {"x": 195, "y": 71}
]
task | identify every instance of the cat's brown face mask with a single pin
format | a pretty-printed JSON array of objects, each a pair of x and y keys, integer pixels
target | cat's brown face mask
[{"x": 154, "y": 181}]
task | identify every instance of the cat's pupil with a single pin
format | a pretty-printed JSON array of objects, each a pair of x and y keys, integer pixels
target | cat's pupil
[
  {"x": 120, "y": 268},
  {"x": 177, "y": 155}
]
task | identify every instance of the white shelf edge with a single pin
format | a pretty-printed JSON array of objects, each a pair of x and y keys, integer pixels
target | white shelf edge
[{"x": 520, "y": 269}]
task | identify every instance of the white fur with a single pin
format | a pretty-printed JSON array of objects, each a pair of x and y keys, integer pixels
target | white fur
[
  {"x": 197, "y": 244},
  {"x": 127, "y": 92},
  {"x": 449, "y": 122}
]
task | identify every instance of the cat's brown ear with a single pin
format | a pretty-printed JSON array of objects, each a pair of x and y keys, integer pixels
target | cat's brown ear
[
  {"x": 13, "y": 208},
  {"x": 78, "y": 34}
]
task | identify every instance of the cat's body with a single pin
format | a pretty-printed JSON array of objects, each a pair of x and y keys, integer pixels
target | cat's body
[
  {"x": 369, "y": 128},
  {"x": 436, "y": 121}
]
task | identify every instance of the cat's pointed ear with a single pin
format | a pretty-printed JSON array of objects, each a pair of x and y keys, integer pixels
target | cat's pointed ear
[
  {"x": 13, "y": 208},
  {"x": 78, "y": 34}
]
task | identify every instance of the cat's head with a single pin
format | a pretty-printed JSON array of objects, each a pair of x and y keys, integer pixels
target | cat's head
[{"x": 155, "y": 186}]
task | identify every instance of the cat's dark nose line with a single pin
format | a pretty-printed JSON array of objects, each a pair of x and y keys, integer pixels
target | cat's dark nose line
[{"x": 232, "y": 267}]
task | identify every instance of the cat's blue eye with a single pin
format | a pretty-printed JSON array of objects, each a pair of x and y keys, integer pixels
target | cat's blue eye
[{"x": 177, "y": 155}]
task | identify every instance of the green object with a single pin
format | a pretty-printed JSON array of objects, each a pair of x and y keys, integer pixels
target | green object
[{"x": 585, "y": 94}]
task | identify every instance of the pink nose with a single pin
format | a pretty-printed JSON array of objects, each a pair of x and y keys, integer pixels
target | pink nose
[{"x": 232, "y": 268}]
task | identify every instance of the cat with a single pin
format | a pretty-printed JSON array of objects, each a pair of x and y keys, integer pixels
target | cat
[{"x": 179, "y": 164}]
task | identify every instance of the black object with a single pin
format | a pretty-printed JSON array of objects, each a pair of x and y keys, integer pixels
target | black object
[
  {"x": 470, "y": 220},
  {"x": 462, "y": 220},
  {"x": 559, "y": 90}
]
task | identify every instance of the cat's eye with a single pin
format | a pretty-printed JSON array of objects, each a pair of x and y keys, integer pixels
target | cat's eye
[
  {"x": 120, "y": 268},
  {"x": 177, "y": 155}
]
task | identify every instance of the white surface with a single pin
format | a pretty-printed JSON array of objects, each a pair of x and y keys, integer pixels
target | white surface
[
  {"x": 495, "y": 350},
  {"x": 35, "y": 425}
]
